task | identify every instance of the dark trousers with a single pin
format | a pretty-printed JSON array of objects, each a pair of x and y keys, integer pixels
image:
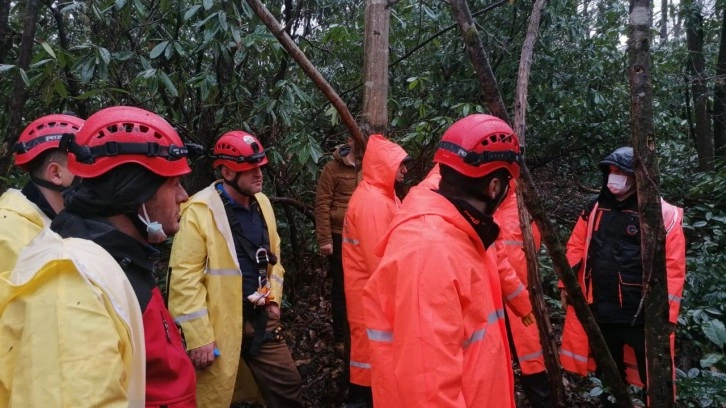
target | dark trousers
[
  {"x": 616, "y": 337},
  {"x": 274, "y": 369},
  {"x": 337, "y": 292}
]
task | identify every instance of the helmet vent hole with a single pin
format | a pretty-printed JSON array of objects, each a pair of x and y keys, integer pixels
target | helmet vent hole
[
  {"x": 100, "y": 134},
  {"x": 112, "y": 129},
  {"x": 52, "y": 124},
  {"x": 255, "y": 147},
  {"x": 144, "y": 129},
  {"x": 158, "y": 136},
  {"x": 129, "y": 127}
]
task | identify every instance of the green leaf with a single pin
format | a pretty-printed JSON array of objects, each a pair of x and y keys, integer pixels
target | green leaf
[
  {"x": 158, "y": 50},
  {"x": 105, "y": 55},
  {"x": 149, "y": 73},
  {"x": 6, "y": 67},
  {"x": 140, "y": 8},
  {"x": 89, "y": 94},
  {"x": 169, "y": 52},
  {"x": 191, "y": 12},
  {"x": 48, "y": 49},
  {"x": 208, "y": 4},
  {"x": 24, "y": 76},
  {"x": 168, "y": 84},
  {"x": 715, "y": 331},
  {"x": 222, "y": 16},
  {"x": 120, "y": 4},
  {"x": 60, "y": 88},
  {"x": 710, "y": 359},
  {"x": 699, "y": 224},
  {"x": 40, "y": 63}
]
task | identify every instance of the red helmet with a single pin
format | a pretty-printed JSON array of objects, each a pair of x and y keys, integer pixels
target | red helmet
[
  {"x": 43, "y": 134},
  {"x": 239, "y": 151},
  {"x": 125, "y": 134},
  {"x": 478, "y": 145}
]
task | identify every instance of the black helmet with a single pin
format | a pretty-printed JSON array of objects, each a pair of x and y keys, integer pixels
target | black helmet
[{"x": 621, "y": 158}]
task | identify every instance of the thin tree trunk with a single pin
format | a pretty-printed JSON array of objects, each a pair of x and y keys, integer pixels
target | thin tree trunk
[
  {"x": 294, "y": 51},
  {"x": 534, "y": 279},
  {"x": 375, "y": 67},
  {"x": 80, "y": 105},
  {"x": 475, "y": 50},
  {"x": 5, "y": 39},
  {"x": 697, "y": 68},
  {"x": 17, "y": 102},
  {"x": 719, "y": 99},
  {"x": 664, "y": 20},
  {"x": 535, "y": 205},
  {"x": 657, "y": 326}
]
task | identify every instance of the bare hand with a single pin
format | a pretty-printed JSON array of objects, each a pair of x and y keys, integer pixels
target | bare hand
[
  {"x": 528, "y": 319},
  {"x": 326, "y": 249},
  {"x": 203, "y": 356},
  {"x": 273, "y": 310},
  {"x": 564, "y": 299}
]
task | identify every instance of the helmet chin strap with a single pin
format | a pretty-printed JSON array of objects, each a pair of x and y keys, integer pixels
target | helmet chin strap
[
  {"x": 154, "y": 230},
  {"x": 47, "y": 184},
  {"x": 235, "y": 185}
]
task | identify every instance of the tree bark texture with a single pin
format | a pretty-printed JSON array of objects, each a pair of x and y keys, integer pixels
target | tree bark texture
[
  {"x": 375, "y": 67},
  {"x": 697, "y": 68},
  {"x": 657, "y": 326},
  {"x": 294, "y": 51},
  {"x": 535, "y": 205},
  {"x": 17, "y": 104},
  {"x": 5, "y": 34},
  {"x": 664, "y": 20},
  {"x": 474, "y": 48},
  {"x": 719, "y": 97},
  {"x": 534, "y": 279}
]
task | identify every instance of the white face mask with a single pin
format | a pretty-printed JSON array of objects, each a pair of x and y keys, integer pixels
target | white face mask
[
  {"x": 154, "y": 230},
  {"x": 619, "y": 184}
]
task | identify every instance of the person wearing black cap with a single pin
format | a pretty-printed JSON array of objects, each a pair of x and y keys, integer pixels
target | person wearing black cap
[{"x": 604, "y": 250}]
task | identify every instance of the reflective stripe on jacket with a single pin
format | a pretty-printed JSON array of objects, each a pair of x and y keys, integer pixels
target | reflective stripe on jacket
[
  {"x": 71, "y": 331},
  {"x": 575, "y": 351},
  {"x": 509, "y": 245},
  {"x": 205, "y": 290},
  {"x": 434, "y": 313},
  {"x": 370, "y": 210},
  {"x": 20, "y": 221}
]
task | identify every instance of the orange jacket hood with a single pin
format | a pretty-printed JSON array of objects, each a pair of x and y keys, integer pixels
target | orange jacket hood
[{"x": 381, "y": 162}]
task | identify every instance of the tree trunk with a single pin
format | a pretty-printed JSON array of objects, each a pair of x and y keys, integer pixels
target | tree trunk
[
  {"x": 17, "y": 102},
  {"x": 80, "y": 105},
  {"x": 664, "y": 20},
  {"x": 535, "y": 205},
  {"x": 375, "y": 67},
  {"x": 477, "y": 54},
  {"x": 697, "y": 68},
  {"x": 657, "y": 326},
  {"x": 5, "y": 35},
  {"x": 719, "y": 98},
  {"x": 294, "y": 51},
  {"x": 534, "y": 279}
]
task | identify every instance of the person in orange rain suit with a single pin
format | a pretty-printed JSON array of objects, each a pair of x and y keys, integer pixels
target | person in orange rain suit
[
  {"x": 434, "y": 310},
  {"x": 513, "y": 277},
  {"x": 604, "y": 250},
  {"x": 370, "y": 209}
]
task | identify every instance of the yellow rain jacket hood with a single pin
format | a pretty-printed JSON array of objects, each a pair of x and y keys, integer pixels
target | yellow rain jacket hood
[
  {"x": 71, "y": 331},
  {"x": 20, "y": 222},
  {"x": 205, "y": 289}
]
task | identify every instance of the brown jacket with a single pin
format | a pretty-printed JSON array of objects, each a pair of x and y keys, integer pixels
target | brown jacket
[{"x": 335, "y": 186}]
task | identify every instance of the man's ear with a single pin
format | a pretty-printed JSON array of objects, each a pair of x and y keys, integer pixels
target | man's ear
[
  {"x": 494, "y": 187},
  {"x": 53, "y": 173}
]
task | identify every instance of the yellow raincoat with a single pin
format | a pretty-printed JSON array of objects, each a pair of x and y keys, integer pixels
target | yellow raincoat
[
  {"x": 205, "y": 290},
  {"x": 71, "y": 331},
  {"x": 20, "y": 221}
]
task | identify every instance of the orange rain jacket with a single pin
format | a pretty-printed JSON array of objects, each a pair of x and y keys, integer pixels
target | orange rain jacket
[
  {"x": 513, "y": 281},
  {"x": 575, "y": 351},
  {"x": 510, "y": 245},
  {"x": 435, "y": 313},
  {"x": 370, "y": 211}
]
